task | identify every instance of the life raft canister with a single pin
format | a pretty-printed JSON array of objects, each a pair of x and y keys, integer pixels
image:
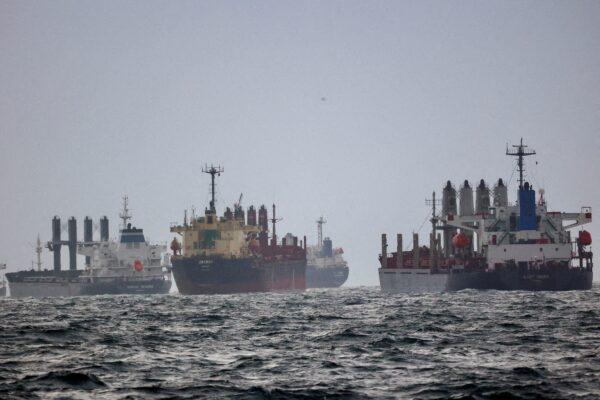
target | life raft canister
[{"x": 138, "y": 266}]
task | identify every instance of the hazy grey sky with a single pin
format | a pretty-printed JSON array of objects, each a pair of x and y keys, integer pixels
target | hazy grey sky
[{"x": 353, "y": 110}]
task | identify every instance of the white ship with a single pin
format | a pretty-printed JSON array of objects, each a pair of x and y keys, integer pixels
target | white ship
[
  {"x": 128, "y": 265},
  {"x": 325, "y": 265},
  {"x": 502, "y": 246}
]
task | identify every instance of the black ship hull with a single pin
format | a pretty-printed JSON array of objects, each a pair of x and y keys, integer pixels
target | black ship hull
[
  {"x": 326, "y": 277},
  {"x": 215, "y": 275},
  {"x": 74, "y": 283},
  {"x": 515, "y": 278}
]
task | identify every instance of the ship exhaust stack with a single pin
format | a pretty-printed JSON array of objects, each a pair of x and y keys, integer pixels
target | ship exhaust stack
[
  {"x": 104, "y": 229},
  {"x": 383, "y": 250},
  {"x": 500, "y": 194},
  {"x": 56, "y": 242},
  {"x": 72, "y": 243},
  {"x": 416, "y": 250},
  {"x": 466, "y": 207},
  {"x": 399, "y": 254},
  {"x": 482, "y": 198},
  {"x": 87, "y": 237},
  {"x": 448, "y": 207},
  {"x": 251, "y": 216}
]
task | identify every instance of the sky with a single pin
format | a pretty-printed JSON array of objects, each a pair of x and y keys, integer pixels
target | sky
[{"x": 353, "y": 110}]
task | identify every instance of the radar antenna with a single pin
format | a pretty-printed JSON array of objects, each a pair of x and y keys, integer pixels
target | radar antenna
[
  {"x": 320, "y": 223},
  {"x": 520, "y": 152},
  {"x": 124, "y": 215},
  {"x": 212, "y": 170}
]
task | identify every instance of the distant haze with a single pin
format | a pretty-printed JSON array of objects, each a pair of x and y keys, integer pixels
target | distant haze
[{"x": 356, "y": 111}]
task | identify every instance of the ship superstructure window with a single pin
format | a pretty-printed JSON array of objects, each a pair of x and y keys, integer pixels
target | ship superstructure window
[{"x": 137, "y": 237}]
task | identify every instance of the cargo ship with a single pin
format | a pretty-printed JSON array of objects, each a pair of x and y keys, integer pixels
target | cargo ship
[
  {"x": 325, "y": 265},
  {"x": 129, "y": 265},
  {"x": 231, "y": 254},
  {"x": 502, "y": 246}
]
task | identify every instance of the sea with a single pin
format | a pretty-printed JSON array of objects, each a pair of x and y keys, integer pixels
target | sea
[{"x": 346, "y": 343}]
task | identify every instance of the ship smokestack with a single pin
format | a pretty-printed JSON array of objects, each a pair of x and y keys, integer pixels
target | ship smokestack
[
  {"x": 72, "y": 243},
  {"x": 384, "y": 250},
  {"x": 466, "y": 208},
  {"x": 399, "y": 254},
  {"x": 416, "y": 251},
  {"x": 263, "y": 219},
  {"x": 482, "y": 198},
  {"x": 252, "y": 216},
  {"x": 104, "y": 229},
  {"x": 500, "y": 194},
  {"x": 448, "y": 207},
  {"x": 56, "y": 242},
  {"x": 87, "y": 236}
]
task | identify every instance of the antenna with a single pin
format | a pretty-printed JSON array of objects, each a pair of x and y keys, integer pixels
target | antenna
[
  {"x": 125, "y": 214},
  {"x": 320, "y": 223},
  {"x": 212, "y": 170},
  {"x": 520, "y": 152}
]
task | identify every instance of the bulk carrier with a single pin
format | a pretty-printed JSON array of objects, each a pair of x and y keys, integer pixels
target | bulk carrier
[
  {"x": 498, "y": 245},
  {"x": 325, "y": 265},
  {"x": 232, "y": 254},
  {"x": 129, "y": 265}
]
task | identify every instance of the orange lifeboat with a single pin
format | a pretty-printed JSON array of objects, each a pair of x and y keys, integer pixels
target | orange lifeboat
[
  {"x": 585, "y": 238},
  {"x": 460, "y": 240}
]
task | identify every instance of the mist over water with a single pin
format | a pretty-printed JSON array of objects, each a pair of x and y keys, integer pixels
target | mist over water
[{"x": 342, "y": 343}]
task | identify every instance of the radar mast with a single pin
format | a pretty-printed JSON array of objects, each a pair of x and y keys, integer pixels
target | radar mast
[
  {"x": 212, "y": 170},
  {"x": 520, "y": 152},
  {"x": 125, "y": 215},
  {"x": 320, "y": 223}
]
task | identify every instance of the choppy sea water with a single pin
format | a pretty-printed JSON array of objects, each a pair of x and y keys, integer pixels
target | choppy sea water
[{"x": 339, "y": 343}]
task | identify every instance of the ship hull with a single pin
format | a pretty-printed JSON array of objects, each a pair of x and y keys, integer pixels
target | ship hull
[
  {"x": 206, "y": 275},
  {"x": 411, "y": 280},
  {"x": 552, "y": 279},
  {"x": 72, "y": 283},
  {"x": 326, "y": 277}
]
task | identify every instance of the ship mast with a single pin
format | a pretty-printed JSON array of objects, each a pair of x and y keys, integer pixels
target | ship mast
[
  {"x": 520, "y": 152},
  {"x": 274, "y": 220},
  {"x": 320, "y": 223},
  {"x": 125, "y": 214},
  {"x": 38, "y": 251},
  {"x": 212, "y": 170},
  {"x": 433, "y": 241}
]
